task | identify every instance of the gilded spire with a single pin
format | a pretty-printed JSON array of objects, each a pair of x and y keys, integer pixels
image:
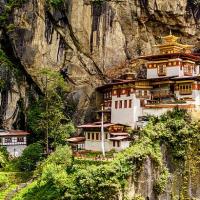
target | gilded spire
[{"x": 170, "y": 44}]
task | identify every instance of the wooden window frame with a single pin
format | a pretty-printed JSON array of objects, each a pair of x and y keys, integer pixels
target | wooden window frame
[
  {"x": 162, "y": 70},
  {"x": 130, "y": 103},
  {"x": 97, "y": 136},
  {"x": 187, "y": 70},
  {"x": 118, "y": 143},
  {"x": 93, "y": 136},
  {"x": 18, "y": 139},
  {"x": 88, "y": 136},
  {"x": 185, "y": 89},
  {"x": 120, "y": 104},
  {"x": 116, "y": 104},
  {"x": 5, "y": 140},
  {"x": 125, "y": 103}
]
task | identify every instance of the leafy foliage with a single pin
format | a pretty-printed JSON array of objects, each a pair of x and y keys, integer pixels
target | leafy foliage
[
  {"x": 7, "y": 10},
  {"x": 30, "y": 157},
  {"x": 3, "y": 157},
  {"x": 46, "y": 116},
  {"x": 55, "y": 3},
  {"x": 61, "y": 177}
]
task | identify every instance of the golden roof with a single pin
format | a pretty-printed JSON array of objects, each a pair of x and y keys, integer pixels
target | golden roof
[{"x": 170, "y": 44}]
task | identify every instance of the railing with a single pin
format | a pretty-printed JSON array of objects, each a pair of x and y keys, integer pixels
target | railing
[
  {"x": 162, "y": 93},
  {"x": 155, "y": 102},
  {"x": 185, "y": 92}
]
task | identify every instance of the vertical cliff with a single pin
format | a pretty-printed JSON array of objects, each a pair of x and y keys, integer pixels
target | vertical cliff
[{"x": 86, "y": 37}]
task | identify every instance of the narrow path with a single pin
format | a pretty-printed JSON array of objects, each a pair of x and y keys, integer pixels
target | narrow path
[{"x": 12, "y": 193}]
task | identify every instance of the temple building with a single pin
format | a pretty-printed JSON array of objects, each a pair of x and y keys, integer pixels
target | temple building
[
  {"x": 15, "y": 141},
  {"x": 172, "y": 80}
]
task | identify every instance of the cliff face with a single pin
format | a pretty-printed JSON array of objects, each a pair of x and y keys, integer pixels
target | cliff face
[{"x": 86, "y": 37}]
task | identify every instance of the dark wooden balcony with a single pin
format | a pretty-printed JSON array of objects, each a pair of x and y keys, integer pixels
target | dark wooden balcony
[{"x": 162, "y": 94}]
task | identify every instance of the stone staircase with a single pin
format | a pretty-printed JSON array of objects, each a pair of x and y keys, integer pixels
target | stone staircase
[{"x": 12, "y": 193}]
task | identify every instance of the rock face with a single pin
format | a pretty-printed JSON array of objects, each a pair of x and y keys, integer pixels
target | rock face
[{"x": 87, "y": 37}]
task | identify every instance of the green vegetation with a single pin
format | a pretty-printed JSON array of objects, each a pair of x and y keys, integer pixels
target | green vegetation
[
  {"x": 7, "y": 10},
  {"x": 62, "y": 176},
  {"x": 55, "y": 3},
  {"x": 30, "y": 157},
  {"x": 46, "y": 117}
]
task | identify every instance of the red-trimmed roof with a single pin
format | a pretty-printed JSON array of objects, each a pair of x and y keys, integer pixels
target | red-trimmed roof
[
  {"x": 119, "y": 134},
  {"x": 93, "y": 125},
  {"x": 13, "y": 133},
  {"x": 118, "y": 138},
  {"x": 76, "y": 139},
  {"x": 194, "y": 57}
]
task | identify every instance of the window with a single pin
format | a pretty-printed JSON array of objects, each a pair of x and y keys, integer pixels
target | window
[
  {"x": 88, "y": 136},
  {"x": 118, "y": 93},
  {"x": 92, "y": 136},
  {"x": 106, "y": 136},
  {"x": 118, "y": 143},
  {"x": 140, "y": 93},
  {"x": 0, "y": 140},
  {"x": 161, "y": 70},
  {"x": 116, "y": 104},
  {"x": 97, "y": 136},
  {"x": 128, "y": 92},
  {"x": 20, "y": 139},
  {"x": 113, "y": 143},
  {"x": 120, "y": 104},
  {"x": 125, "y": 103},
  {"x": 145, "y": 93},
  {"x": 187, "y": 70},
  {"x": 8, "y": 140},
  {"x": 185, "y": 89},
  {"x": 130, "y": 103}
]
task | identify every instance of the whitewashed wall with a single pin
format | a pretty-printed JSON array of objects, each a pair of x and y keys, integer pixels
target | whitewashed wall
[
  {"x": 170, "y": 71},
  {"x": 15, "y": 150},
  {"x": 127, "y": 116}
]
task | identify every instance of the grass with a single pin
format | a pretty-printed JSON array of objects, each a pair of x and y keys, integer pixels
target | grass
[
  {"x": 14, "y": 179},
  {"x": 5, "y": 192},
  {"x": 24, "y": 191}
]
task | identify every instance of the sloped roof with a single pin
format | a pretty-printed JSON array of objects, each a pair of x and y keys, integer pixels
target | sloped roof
[
  {"x": 76, "y": 139},
  {"x": 13, "y": 133},
  {"x": 119, "y": 134},
  {"x": 118, "y": 138}
]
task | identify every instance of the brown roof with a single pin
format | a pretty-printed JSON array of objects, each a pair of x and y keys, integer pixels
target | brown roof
[
  {"x": 98, "y": 125},
  {"x": 93, "y": 125},
  {"x": 13, "y": 133},
  {"x": 119, "y": 134},
  {"x": 193, "y": 57},
  {"x": 76, "y": 139},
  {"x": 118, "y": 138}
]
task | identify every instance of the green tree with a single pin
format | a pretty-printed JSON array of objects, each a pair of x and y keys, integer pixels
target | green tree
[
  {"x": 30, "y": 157},
  {"x": 46, "y": 115}
]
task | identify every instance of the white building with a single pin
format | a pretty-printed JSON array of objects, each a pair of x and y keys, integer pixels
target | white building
[
  {"x": 116, "y": 137},
  {"x": 172, "y": 80},
  {"x": 15, "y": 141}
]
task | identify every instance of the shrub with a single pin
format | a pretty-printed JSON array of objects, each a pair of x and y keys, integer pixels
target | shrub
[
  {"x": 62, "y": 156},
  {"x": 3, "y": 181},
  {"x": 30, "y": 156}
]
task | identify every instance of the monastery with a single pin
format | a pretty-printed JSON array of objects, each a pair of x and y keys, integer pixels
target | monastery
[{"x": 172, "y": 80}]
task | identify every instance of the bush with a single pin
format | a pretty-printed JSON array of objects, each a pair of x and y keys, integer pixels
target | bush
[
  {"x": 3, "y": 181},
  {"x": 62, "y": 156},
  {"x": 3, "y": 157},
  {"x": 30, "y": 156}
]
